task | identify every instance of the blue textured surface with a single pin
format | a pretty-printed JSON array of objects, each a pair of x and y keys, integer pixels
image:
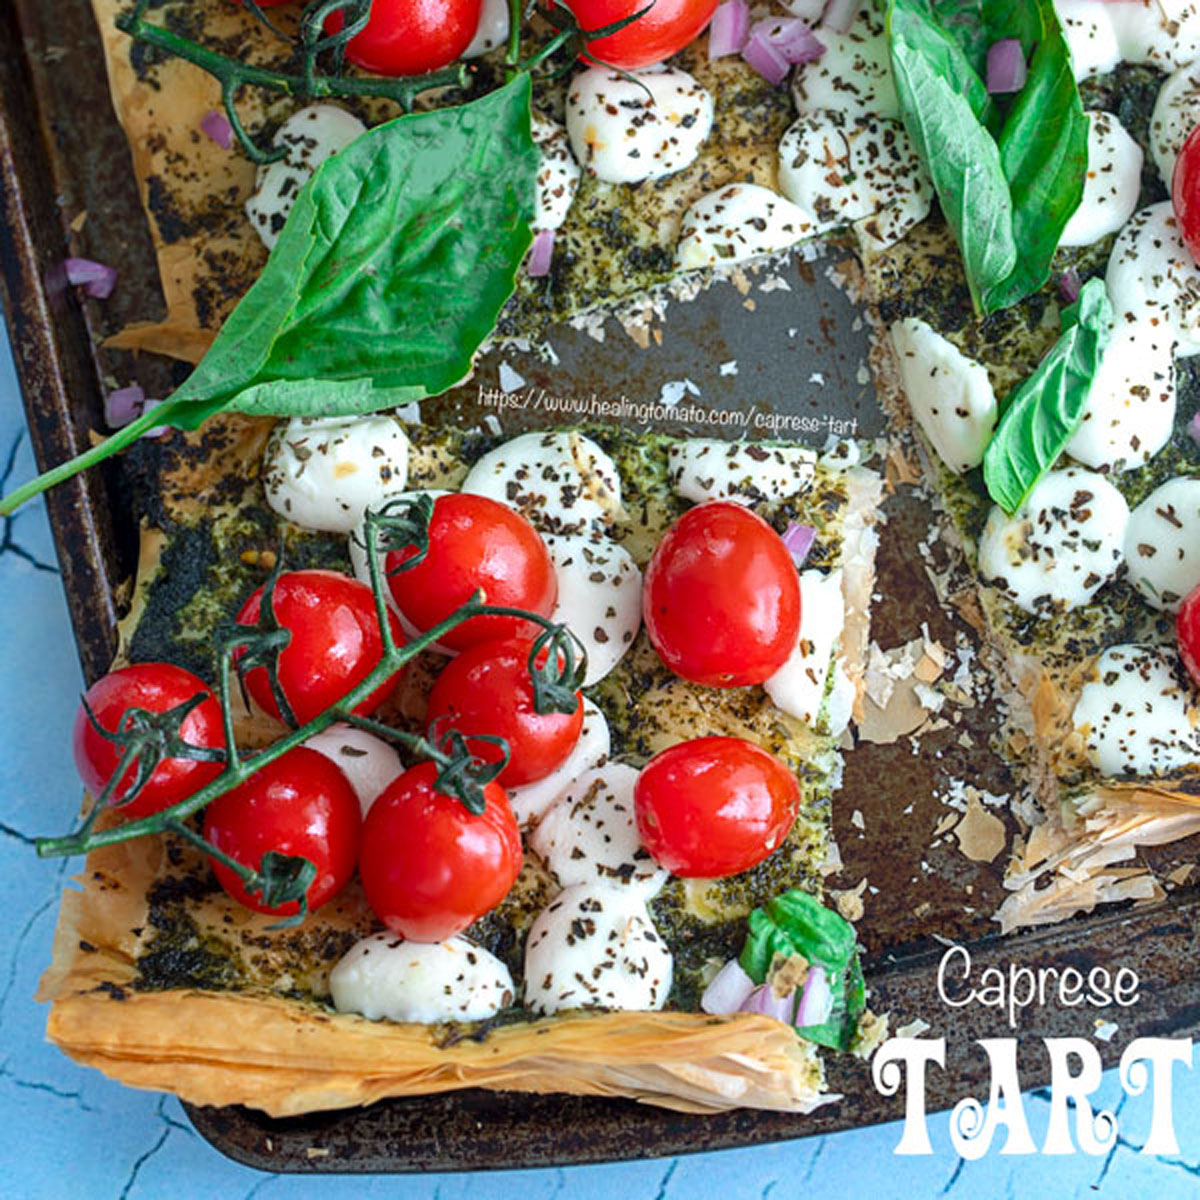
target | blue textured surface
[{"x": 68, "y": 1132}]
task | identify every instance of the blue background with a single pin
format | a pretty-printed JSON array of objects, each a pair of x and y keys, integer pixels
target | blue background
[{"x": 68, "y": 1132}]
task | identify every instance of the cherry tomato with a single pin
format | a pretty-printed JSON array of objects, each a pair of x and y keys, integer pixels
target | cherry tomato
[
  {"x": 410, "y": 37},
  {"x": 429, "y": 867},
  {"x": 475, "y": 544},
  {"x": 1187, "y": 633},
  {"x": 487, "y": 689},
  {"x": 335, "y": 643},
  {"x": 665, "y": 29},
  {"x": 721, "y": 597},
  {"x": 299, "y": 804},
  {"x": 714, "y": 806},
  {"x": 157, "y": 688},
  {"x": 1185, "y": 192}
]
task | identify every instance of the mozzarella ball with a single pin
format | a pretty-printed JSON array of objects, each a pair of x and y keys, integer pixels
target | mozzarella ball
[
  {"x": 325, "y": 472},
  {"x": 798, "y": 687},
  {"x": 745, "y": 472},
  {"x": 950, "y": 394},
  {"x": 1091, "y": 38},
  {"x": 531, "y": 800},
  {"x": 310, "y": 136},
  {"x": 738, "y": 222},
  {"x": 368, "y": 762},
  {"x": 384, "y": 976},
  {"x": 558, "y": 176},
  {"x": 624, "y": 130},
  {"x": 492, "y": 31},
  {"x": 1110, "y": 190},
  {"x": 853, "y": 76},
  {"x": 1176, "y": 114},
  {"x": 596, "y": 947},
  {"x": 1137, "y": 713},
  {"x": 1060, "y": 546},
  {"x": 1162, "y": 544},
  {"x": 1157, "y": 33}
]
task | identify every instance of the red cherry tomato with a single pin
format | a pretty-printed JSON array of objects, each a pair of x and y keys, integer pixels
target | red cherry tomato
[
  {"x": 665, "y": 29},
  {"x": 429, "y": 867},
  {"x": 1187, "y": 633},
  {"x": 714, "y": 806},
  {"x": 487, "y": 689},
  {"x": 1185, "y": 192},
  {"x": 410, "y": 37},
  {"x": 721, "y": 597},
  {"x": 157, "y": 688},
  {"x": 299, "y": 804},
  {"x": 335, "y": 643},
  {"x": 476, "y": 544}
]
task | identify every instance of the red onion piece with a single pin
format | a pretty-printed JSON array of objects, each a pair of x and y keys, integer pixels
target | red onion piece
[
  {"x": 791, "y": 37},
  {"x": 95, "y": 278},
  {"x": 1006, "y": 69},
  {"x": 763, "y": 1000},
  {"x": 768, "y": 61},
  {"x": 1068, "y": 285},
  {"x": 816, "y": 1001},
  {"x": 1194, "y": 429},
  {"x": 729, "y": 29},
  {"x": 125, "y": 405},
  {"x": 839, "y": 14},
  {"x": 216, "y": 124},
  {"x": 728, "y": 990},
  {"x": 799, "y": 541},
  {"x": 540, "y": 254}
]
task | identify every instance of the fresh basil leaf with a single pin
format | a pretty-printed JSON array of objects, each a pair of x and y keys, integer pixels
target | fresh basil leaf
[
  {"x": 390, "y": 271},
  {"x": 1043, "y": 413}
]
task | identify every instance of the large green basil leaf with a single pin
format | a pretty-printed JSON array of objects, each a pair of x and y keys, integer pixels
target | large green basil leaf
[
  {"x": 390, "y": 271},
  {"x": 1043, "y": 413}
]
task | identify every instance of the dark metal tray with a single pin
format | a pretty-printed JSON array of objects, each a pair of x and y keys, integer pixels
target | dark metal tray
[{"x": 63, "y": 154}]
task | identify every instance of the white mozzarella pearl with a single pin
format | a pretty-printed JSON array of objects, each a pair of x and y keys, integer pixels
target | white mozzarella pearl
[
  {"x": 1137, "y": 714},
  {"x": 1162, "y": 544},
  {"x": 596, "y": 947},
  {"x": 589, "y": 834},
  {"x": 492, "y": 30},
  {"x": 625, "y": 130},
  {"x": 325, "y": 472},
  {"x": 1176, "y": 114},
  {"x": 950, "y": 395},
  {"x": 1057, "y": 550},
  {"x": 1090, "y": 36},
  {"x": 853, "y": 76},
  {"x": 798, "y": 687},
  {"x": 558, "y": 175},
  {"x": 561, "y": 482},
  {"x": 738, "y": 222},
  {"x": 368, "y": 762},
  {"x": 1152, "y": 277},
  {"x": 531, "y": 800},
  {"x": 1157, "y": 33},
  {"x": 855, "y": 172},
  {"x": 703, "y": 469},
  {"x": 384, "y": 976},
  {"x": 1130, "y": 408},
  {"x": 1114, "y": 179},
  {"x": 599, "y": 597},
  {"x": 310, "y": 136}
]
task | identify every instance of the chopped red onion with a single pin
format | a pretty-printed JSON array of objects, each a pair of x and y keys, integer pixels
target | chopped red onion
[
  {"x": 1006, "y": 69},
  {"x": 729, "y": 29},
  {"x": 216, "y": 124},
  {"x": 839, "y": 14},
  {"x": 95, "y": 278},
  {"x": 540, "y": 254},
  {"x": 125, "y": 405},
  {"x": 816, "y": 1002},
  {"x": 1068, "y": 285},
  {"x": 766, "y": 59},
  {"x": 799, "y": 541},
  {"x": 728, "y": 990},
  {"x": 1194, "y": 428},
  {"x": 791, "y": 37},
  {"x": 763, "y": 1000}
]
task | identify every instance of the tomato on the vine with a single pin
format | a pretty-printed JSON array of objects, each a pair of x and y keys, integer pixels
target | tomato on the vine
[
  {"x": 721, "y": 597},
  {"x": 429, "y": 867},
  {"x": 487, "y": 690},
  {"x": 335, "y": 643},
  {"x": 475, "y": 544},
  {"x": 300, "y": 804},
  {"x": 1185, "y": 192},
  {"x": 655, "y": 35},
  {"x": 1187, "y": 633},
  {"x": 156, "y": 688},
  {"x": 410, "y": 37},
  {"x": 714, "y": 806}
]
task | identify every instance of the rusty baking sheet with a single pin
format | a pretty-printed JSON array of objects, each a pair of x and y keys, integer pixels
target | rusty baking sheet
[{"x": 62, "y": 155}]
